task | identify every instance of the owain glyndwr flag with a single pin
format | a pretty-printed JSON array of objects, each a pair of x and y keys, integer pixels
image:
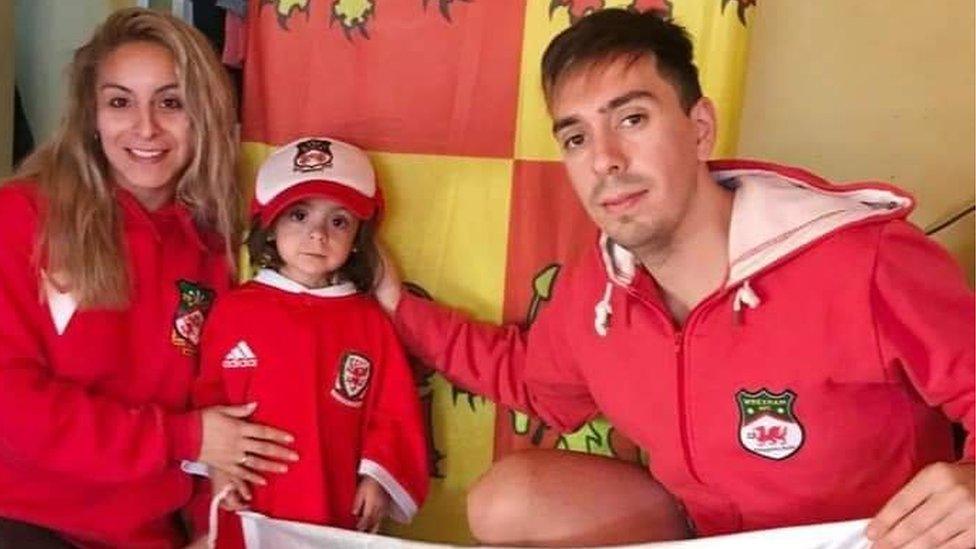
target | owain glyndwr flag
[{"x": 446, "y": 97}]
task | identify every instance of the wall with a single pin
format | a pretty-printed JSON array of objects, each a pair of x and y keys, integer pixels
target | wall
[
  {"x": 6, "y": 85},
  {"x": 47, "y": 32},
  {"x": 872, "y": 89}
]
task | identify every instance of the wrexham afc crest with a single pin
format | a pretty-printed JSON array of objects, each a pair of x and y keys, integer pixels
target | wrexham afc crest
[
  {"x": 313, "y": 155},
  {"x": 352, "y": 379},
  {"x": 195, "y": 302},
  {"x": 768, "y": 426}
]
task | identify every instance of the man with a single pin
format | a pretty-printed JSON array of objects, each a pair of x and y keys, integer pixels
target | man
[{"x": 787, "y": 351}]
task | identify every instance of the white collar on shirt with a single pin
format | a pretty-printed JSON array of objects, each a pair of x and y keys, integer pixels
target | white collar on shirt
[{"x": 270, "y": 277}]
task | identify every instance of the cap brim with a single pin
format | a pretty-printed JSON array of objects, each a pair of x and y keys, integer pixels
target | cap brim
[{"x": 360, "y": 205}]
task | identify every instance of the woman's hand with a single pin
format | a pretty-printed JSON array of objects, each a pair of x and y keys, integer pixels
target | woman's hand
[
  {"x": 370, "y": 504},
  {"x": 239, "y": 448},
  {"x": 239, "y": 494}
]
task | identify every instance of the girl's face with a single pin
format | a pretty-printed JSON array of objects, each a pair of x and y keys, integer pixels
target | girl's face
[
  {"x": 141, "y": 121},
  {"x": 314, "y": 238}
]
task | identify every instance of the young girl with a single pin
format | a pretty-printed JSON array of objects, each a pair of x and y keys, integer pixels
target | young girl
[
  {"x": 315, "y": 352},
  {"x": 116, "y": 235}
]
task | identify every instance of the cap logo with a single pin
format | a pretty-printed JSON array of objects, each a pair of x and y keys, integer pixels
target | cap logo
[{"x": 313, "y": 155}]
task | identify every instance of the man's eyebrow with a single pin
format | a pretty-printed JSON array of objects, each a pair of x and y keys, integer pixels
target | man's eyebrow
[
  {"x": 614, "y": 103},
  {"x": 622, "y": 100},
  {"x": 563, "y": 122}
]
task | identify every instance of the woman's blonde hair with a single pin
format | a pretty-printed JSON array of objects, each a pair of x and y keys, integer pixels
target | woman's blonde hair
[{"x": 80, "y": 243}]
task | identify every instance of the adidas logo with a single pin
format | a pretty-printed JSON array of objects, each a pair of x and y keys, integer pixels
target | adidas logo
[{"x": 240, "y": 356}]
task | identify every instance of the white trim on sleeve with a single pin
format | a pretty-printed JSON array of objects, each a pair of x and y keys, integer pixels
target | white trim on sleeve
[
  {"x": 197, "y": 468},
  {"x": 404, "y": 507}
]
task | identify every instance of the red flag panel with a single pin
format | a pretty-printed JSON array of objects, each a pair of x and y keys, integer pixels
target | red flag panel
[
  {"x": 547, "y": 225},
  {"x": 409, "y": 76}
]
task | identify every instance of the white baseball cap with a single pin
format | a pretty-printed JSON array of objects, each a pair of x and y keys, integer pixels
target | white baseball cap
[{"x": 316, "y": 167}]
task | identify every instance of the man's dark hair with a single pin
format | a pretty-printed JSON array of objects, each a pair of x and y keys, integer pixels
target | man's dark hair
[
  {"x": 360, "y": 268},
  {"x": 611, "y": 33}
]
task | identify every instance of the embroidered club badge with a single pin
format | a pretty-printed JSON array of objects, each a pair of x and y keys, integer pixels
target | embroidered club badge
[
  {"x": 768, "y": 426},
  {"x": 195, "y": 302},
  {"x": 352, "y": 380}
]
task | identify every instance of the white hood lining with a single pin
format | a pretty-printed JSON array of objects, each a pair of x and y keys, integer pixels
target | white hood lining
[{"x": 773, "y": 216}]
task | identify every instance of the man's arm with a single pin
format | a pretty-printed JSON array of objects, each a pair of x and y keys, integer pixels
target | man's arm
[
  {"x": 924, "y": 314},
  {"x": 532, "y": 370}
]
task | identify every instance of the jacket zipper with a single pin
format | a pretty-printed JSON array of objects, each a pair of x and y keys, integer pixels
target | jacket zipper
[
  {"x": 679, "y": 354},
  {"x": 678, "y": 336}
]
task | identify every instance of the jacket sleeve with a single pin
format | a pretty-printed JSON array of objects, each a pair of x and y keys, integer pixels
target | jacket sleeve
[
  {"x": 924, "y": 314},
  {"x": 53, "y": 423},
  {"x": 532, "y": 371},
  {"x": 394, "y": 443}
]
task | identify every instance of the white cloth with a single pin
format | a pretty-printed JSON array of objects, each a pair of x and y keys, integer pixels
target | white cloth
[
  {"x": 261, "y": 532},
  {"x": 833, "y": 535}
]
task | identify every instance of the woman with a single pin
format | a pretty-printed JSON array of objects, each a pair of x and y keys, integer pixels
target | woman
[{"x": 117, "y": 234}]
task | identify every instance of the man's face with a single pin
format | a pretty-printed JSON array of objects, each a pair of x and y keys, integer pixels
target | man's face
[{"x": 633, "y": 155}]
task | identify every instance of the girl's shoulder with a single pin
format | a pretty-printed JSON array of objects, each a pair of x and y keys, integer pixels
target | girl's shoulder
[
  {"x": 362, "y": 303},
  {"x": 369, "y": 307},
  {"x": 239, "y": 300},
  {"x": 248, "y": 291},
  {"x": 370, "y": 304}
]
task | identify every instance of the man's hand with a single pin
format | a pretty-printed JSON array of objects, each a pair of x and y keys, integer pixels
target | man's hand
[
  {"x": 370, "y": 504},
  {"x": 937, "y": 508},
  {"x": 388, "y": 284}
]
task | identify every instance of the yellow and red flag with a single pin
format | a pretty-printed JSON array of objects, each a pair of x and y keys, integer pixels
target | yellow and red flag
[{"x": 446, "y": 97}]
